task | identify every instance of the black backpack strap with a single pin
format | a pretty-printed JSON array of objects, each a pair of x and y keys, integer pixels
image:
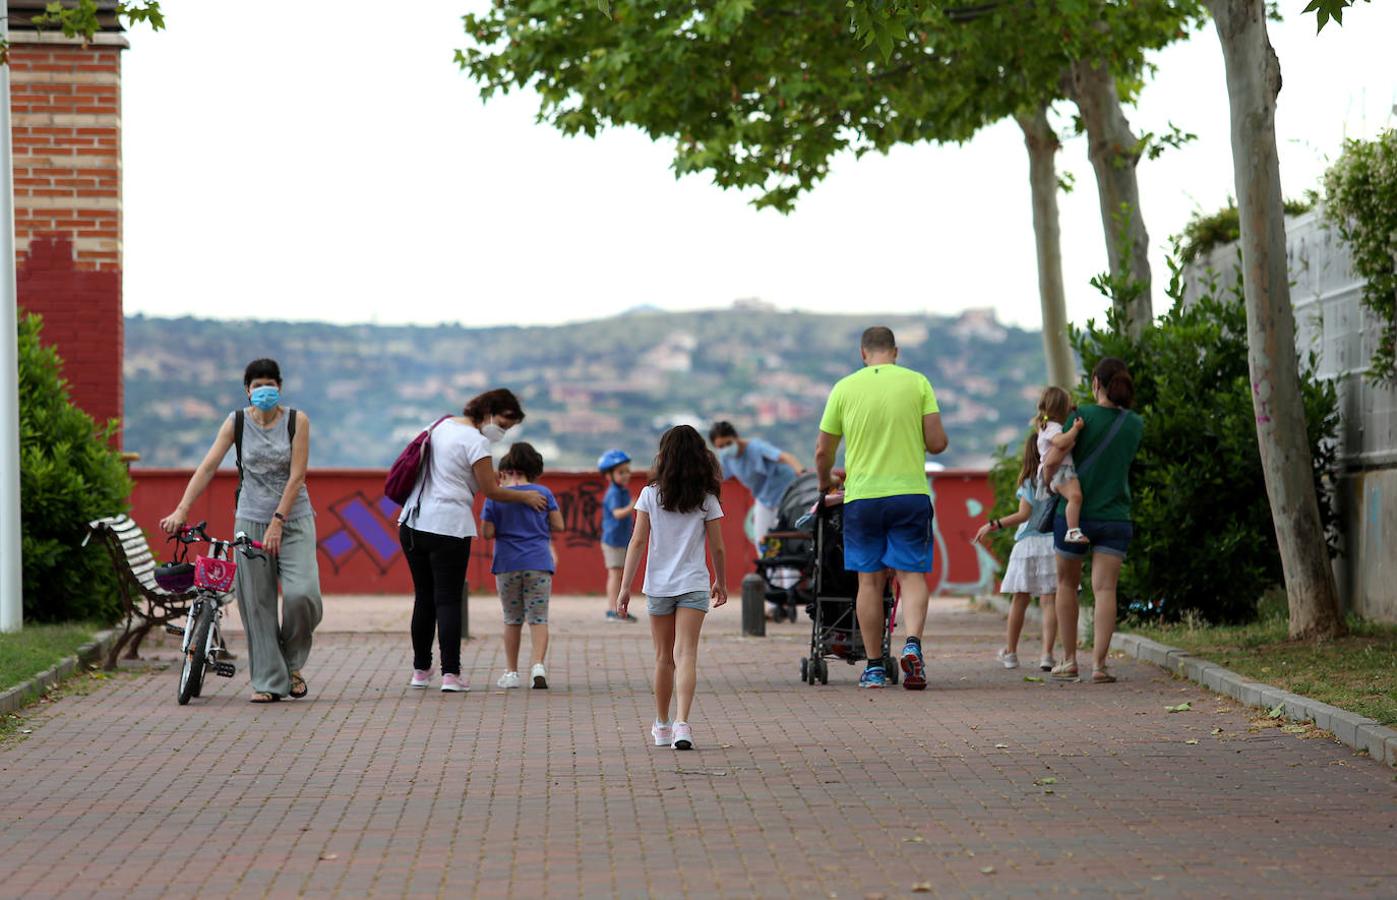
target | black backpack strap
[
  {"x": 290, "y": 427},
  {"x": 238, "y": 418}
]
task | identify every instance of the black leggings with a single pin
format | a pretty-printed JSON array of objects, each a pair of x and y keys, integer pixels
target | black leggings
[{"x": 438, "y": 565}]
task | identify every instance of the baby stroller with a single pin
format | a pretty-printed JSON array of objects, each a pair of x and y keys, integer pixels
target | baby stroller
[
  {"x": 813, "y": 546},
  {"x": 788, "y": 550}
]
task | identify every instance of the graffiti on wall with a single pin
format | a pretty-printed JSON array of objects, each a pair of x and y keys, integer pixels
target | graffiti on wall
[
  {"x": 582, "y": 511},
  {"x": 368, "y": 527}
]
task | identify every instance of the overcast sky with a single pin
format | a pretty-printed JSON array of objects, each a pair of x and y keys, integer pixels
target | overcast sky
[{"x": 328, "y": 163}]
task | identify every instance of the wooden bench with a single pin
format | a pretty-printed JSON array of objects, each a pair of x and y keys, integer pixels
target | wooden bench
[{"x": 146, "y": 604}]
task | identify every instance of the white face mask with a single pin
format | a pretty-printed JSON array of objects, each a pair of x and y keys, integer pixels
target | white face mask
[{"x": 493, "y": 433}]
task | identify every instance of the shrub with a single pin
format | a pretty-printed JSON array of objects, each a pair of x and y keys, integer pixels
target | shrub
[
  {"x": 69, "y": 475},
  {"x": 1204, "y": 539}
]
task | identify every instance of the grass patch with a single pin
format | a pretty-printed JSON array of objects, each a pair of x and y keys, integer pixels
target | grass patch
[
  {"x": 26, "y": 653},
  {"x": 1357, "y": 673}
]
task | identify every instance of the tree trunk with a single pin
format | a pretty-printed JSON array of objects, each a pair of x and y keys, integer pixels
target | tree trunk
[
  {"x": 1042, "y": 144},
  {"x": 1253, "y": 81},
  {"x": 1114, "y": 152}
]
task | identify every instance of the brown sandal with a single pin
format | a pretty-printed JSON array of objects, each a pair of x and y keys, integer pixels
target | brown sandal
[
  {"x": 298, "y": 685},
  {"x": 1101, "y": 676},
  {"x": 264, "y": 697}
]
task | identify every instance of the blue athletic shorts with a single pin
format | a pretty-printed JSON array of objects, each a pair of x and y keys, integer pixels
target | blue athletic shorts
[
  {"x": 1108, "y": 537},
  {"x": 888, "y": 533}
]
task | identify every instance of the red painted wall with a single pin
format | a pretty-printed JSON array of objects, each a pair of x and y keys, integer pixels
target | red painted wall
[{"x": 359, "y": 551}]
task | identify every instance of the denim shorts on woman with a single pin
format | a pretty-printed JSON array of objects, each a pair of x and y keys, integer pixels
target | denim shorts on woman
[
  {"x": 1106, "y": 536},
  {"x": 665, "y": 606}
]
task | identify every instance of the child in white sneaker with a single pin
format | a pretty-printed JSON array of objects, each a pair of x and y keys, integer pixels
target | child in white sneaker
[
  {"x": 1032, "y": 568},
  {"x": 1057, "y": 474},
  {"x": 676, "y": 514},
  {"x": 524, "y": 562}
]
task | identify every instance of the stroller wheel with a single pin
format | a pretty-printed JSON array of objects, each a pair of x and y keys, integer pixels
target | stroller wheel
[
  {"x": 804, "y": 669},
  {"x": 824, "y": 672}
]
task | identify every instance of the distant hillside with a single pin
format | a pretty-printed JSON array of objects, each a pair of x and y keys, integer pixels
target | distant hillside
[{"x": 585, "y": 386}]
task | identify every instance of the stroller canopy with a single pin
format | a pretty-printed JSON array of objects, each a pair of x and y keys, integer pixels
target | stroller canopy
[{"x": 797, "y": 501}]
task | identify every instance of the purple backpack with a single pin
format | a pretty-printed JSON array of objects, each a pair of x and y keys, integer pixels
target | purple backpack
[{"x": 402, "y": 477}]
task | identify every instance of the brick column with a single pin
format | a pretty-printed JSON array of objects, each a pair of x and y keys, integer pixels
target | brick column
[{"x": 65, "y": 105}]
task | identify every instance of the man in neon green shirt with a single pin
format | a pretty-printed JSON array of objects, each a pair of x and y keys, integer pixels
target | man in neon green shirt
[{"x": 888, "y": 419}]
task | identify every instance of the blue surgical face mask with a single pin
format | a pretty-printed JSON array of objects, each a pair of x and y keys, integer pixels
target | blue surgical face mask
[
  {"x": 727, "y": 451},
  {"x": 266, "y": 397}
]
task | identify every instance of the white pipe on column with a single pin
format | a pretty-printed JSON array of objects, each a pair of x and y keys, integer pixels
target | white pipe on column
[{"x": 11, "y": 583}]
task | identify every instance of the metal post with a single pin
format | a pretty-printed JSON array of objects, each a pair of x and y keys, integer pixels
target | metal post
[
  {"x": 753, "y": 605},
  {"x": 11, "y": 583}
]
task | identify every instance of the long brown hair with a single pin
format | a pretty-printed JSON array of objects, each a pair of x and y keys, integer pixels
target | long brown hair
[
  {"x": 1114, "y": 378},
  {"x": 1031, "y": 460},
  {"x": 1053, "y": 406},
  {"x": 685, "y": 470}
]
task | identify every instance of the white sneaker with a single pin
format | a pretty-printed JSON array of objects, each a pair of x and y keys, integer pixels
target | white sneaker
[
  {"x": 539, "y": 676},
  {"x": 663, "y": 734},
  {"x": 683, "y": 736},
  {"x": 1046, "y": 663},
  {"x": 1008, "y": 660},
  {"x": 508, "y": 680},
  {"x": 421, "y": 678}
]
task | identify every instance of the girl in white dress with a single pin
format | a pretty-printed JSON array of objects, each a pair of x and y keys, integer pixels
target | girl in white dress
[{"x": 1032, "y": 569}]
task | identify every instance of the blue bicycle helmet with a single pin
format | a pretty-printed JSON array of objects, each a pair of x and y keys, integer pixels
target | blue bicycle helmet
[{"x": 611, "y": 459}]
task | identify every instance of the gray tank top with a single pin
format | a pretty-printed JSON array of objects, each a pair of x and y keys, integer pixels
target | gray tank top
[{"x": 266, "y": 469}]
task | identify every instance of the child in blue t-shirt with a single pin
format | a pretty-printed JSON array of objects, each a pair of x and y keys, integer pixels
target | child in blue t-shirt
[
  {"x": 617, "y": 523},
  {"x": 524, "y": 561}
]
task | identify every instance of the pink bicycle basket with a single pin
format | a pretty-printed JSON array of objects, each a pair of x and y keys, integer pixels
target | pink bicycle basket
[{"x": 214, "y": 574}]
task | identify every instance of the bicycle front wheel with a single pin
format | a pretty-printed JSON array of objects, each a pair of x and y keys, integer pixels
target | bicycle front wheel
[{"x": 191, "y": 676}]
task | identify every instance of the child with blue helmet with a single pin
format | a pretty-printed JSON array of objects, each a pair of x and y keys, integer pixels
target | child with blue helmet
[{"x": 617, "y": 523}]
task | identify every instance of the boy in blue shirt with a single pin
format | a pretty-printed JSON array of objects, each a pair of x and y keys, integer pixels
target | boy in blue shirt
[
  {"x": 524, "y": 561},
  {"x": 617, "y": 523}
]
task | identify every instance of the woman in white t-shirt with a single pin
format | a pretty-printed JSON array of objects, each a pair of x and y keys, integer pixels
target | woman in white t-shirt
[
  {"x": 677, "y": 512},
  {"x": 438, "y": 522}
]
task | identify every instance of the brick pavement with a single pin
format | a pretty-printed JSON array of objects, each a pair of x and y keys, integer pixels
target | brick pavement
[{"x": 369, "y": 788}]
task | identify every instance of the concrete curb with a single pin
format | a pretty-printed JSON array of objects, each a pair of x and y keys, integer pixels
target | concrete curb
[
  {"x": 1354, "y": 730},
  {"x": 26, "y": 691}
]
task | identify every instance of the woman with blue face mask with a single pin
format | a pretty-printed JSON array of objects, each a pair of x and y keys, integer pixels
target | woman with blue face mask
[{"x": 274, "y": 508}]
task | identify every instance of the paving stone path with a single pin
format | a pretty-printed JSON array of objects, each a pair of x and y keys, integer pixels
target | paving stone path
[{"x": 985, "y": 784}]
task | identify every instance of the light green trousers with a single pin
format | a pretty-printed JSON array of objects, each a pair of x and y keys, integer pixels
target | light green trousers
[{"x": 275, "y": 648}]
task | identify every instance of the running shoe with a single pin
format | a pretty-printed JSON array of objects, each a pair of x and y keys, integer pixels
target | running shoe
[
  {"x": 913, "y": 667},
  {"x": 539, "y": 676},
  {"x": 1046, "y": 663},
  {"x": 611, "y": 616},
  {"x": 508, "y": 680},
  {"x": 662, "y": 733},
  {"x": 421, "y": 678},
  {"x": 1008, "y": 660},
  {"x": 452, "y": 684},
  {"x": 873, "y": 677},
  {"x": 683, "y": 736}
]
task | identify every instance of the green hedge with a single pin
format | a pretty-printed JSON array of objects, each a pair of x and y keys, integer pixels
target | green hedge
[
  {"x": 70, "y": 474},
  {"x": 1204, "y": 541}
]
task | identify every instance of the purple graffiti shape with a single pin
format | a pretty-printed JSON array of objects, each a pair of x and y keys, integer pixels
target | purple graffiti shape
[
  {"x": 339, "y": 545},
  {"x": 369, "y": 531}
]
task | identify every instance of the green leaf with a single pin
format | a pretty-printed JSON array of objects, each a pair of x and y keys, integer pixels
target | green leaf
[
  {"x": 1182, "y": 707},
  {"x": 1276, "y": 711}
]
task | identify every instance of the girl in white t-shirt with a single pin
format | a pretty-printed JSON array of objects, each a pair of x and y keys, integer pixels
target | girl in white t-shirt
[
  {"x": 1057, "y": 474},
  {"x": 676, "y": 515}
]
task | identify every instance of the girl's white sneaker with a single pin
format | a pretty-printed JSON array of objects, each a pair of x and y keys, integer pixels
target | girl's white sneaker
[
  {"x": 1008, "y": 660},
  {"x": 683, "y": 736},
  {"x": 421, "y": 678},
  {"x": 662, "y": 733},
  {"x": 539, "y": 675},
  {"x": 508, "y": 680}
]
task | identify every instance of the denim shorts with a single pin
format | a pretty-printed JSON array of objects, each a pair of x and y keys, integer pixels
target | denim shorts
[
  {"x": 888, "y": 533},
  {"x": 1112, "y": 538},
  {"x": 665, "y": 606}
]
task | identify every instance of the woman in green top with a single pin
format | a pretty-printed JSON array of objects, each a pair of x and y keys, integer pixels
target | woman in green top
[{"x": 1104, "y": 449}]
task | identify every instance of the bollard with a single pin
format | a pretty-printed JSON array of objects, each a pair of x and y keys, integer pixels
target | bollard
[{"x": 753, "y": 605}]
